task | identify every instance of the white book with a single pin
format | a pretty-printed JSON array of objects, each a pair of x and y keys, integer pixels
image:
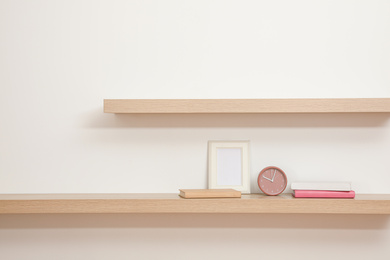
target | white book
[{"x": 336, "y": 186}]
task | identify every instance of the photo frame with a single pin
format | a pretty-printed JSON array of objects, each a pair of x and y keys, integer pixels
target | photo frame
[{"x": 229, "y": 165}]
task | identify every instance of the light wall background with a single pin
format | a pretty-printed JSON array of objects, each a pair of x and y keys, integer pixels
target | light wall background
[{"x": 60, "y": 59}]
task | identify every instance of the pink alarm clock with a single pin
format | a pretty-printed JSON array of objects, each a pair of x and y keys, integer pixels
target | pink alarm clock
[{"x": 272, "y": 181}]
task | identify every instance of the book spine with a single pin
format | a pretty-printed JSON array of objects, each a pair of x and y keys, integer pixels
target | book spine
[
  {"x": 210, "y": 195},
  {"x": 323, "y": 194}
]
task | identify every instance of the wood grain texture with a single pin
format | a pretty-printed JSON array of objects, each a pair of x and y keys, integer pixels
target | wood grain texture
[
  {"x": 172, "y": 203},
  {"x": 199, "y": 106}
]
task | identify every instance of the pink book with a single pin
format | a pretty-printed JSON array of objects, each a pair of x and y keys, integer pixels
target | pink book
[{"x": 323, "y": 194}]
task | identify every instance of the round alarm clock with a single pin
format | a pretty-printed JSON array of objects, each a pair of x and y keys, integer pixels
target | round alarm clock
[{"x": 272, "y": 181}]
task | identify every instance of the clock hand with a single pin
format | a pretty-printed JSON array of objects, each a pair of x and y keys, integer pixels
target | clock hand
[
  {"x": 273, "y": 176},
  {"x": 267, "y": 178}
]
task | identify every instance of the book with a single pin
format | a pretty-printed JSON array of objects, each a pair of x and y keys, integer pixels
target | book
[
  {"x": 331, "y": 186},
  {"x": 209, "y": 193},
  {"x": 323, "y": 194}
]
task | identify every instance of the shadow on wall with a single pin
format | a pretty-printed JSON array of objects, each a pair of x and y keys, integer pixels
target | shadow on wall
[
  {"x": 98, "y": 119},
  {"x": 231, "y": 221}
]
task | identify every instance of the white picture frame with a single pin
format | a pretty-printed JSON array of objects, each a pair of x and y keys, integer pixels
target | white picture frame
[{"x": 228, "y": 165}]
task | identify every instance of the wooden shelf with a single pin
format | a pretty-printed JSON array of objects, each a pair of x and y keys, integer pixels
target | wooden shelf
[
  {"x": 172, "y": 203},
  {"x": 349, "y": 105}
]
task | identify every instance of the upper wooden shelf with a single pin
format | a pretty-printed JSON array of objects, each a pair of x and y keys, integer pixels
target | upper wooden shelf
[
  {"x": 172, "y": 203},
  {"x": 342, "y": 105}
]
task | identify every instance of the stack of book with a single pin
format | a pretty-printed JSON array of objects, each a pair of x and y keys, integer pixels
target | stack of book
[{"x": 322, "y": 190}]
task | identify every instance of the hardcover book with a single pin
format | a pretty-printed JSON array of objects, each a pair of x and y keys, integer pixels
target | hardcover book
[
  {"x": 332, "y": 186},
  {"x": 209, "y": 193},
  {"x": 323, "y": 194}
]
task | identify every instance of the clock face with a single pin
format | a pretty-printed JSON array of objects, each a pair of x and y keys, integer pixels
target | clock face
[{"x": 272, "y": 180}]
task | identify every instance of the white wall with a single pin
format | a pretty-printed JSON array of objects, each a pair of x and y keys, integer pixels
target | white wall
[{"x": 60, "y": 59}]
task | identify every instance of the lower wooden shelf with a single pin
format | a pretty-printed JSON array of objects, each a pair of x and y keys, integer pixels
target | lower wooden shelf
[{"x": 172, "y": 203}]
